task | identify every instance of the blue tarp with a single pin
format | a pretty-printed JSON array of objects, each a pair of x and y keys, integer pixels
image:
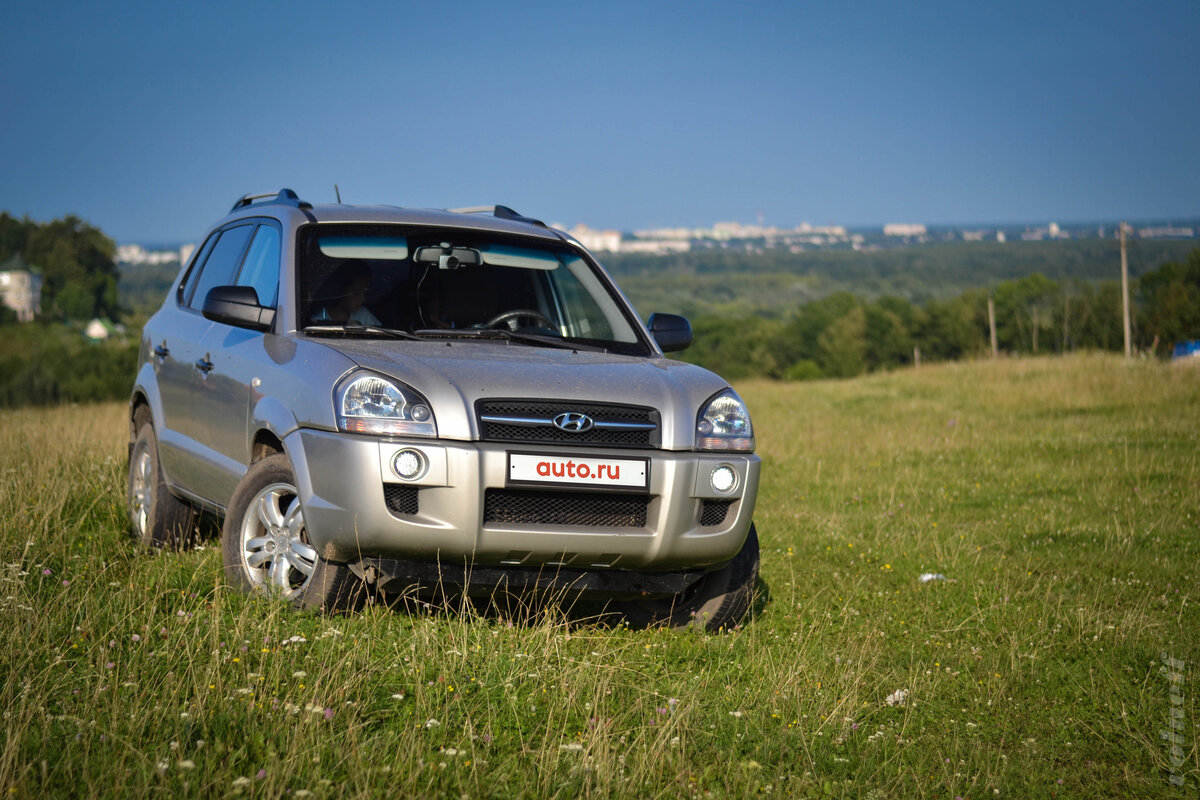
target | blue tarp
[{"x": 1186, "y": 349}]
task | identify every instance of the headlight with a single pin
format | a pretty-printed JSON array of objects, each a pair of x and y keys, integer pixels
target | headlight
[
  {"x": 367, "y": 403},
  {"x": 724, "y": 424}
]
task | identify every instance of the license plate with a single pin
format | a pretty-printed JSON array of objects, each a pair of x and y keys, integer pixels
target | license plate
[{"x": 595, "y": 472}]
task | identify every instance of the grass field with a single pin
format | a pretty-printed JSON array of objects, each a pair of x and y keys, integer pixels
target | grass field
[{"x": 1059, "y": 498}]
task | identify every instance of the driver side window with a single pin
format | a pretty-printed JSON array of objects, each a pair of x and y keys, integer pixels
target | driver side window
[{"x": 221, "y": 265}]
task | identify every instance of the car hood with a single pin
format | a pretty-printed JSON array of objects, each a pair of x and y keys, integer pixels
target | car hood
[{"x": 452, "y": 375}]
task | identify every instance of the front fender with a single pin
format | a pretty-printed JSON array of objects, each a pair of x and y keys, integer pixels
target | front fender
[{"x": 270, "y": 414}]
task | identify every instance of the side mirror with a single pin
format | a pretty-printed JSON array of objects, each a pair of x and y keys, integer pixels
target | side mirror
[
  {"x": 671, "y": 331},
  {"x": 237, "y": 305}
]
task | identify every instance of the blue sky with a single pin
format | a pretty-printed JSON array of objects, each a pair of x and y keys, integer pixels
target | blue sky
[{"x": 150, "y": 119}]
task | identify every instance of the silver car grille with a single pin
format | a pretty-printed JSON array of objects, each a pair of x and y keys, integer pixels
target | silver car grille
[{"x": 533, "y": 422}]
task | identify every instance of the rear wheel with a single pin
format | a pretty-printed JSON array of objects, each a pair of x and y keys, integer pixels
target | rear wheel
[
  {"x": 156, "y": 517},
  {"x": 719, "y": 600}
]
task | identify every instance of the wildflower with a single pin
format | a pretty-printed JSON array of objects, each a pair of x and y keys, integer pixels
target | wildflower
[
  {"x": 737, "y": 714},
  {"x": 47, "y": 571},
  {"x": 262, "y": 773},
  {"x": 241, "y": 781},
  {"x": 431, "y": 723},
  {"x": 328, "y": 713},
  {"x": 163, "y": 766},
  {"x": 109, "y": 665},
  {"x": 136, "y": 638}
]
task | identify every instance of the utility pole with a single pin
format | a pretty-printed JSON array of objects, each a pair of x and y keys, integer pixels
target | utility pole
[
  {"x": 992, "y": 324},
  {"x": 1125, "y": 294}
]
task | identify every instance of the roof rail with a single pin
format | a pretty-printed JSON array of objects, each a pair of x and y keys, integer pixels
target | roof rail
[
  {"x": 286, "y": 197},
  {"x": 500, "y": 212}
]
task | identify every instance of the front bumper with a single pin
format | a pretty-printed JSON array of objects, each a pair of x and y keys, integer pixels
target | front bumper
[{"x": 342, "y": 479}]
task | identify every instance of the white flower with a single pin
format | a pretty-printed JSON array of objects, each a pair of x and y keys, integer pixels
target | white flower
[
  {"x": 242, "y": 781},
  {"x": 431, "y": 723},
  {"x": 737, "y": 714}
]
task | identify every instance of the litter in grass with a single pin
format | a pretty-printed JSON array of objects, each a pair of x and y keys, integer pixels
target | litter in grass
[
  {"x": 898, "y": 697},
  {"x": 932, "y": 576}
]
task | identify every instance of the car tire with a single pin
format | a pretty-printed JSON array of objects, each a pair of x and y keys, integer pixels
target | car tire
[
  {"x": 264, "y": 543},
  {"x": 721, "y": 599},
  {"x": 333, "y": 589},
  {"x": 157, "y": 518}
]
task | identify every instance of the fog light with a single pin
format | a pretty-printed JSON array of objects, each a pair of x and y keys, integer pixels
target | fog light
[
  {"x": 723, "y": 478},
  {"x": 409, "y": 464}
]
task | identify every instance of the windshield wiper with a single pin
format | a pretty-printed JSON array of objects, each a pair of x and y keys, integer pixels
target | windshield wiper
[
  {"x": 358, "y": 327},
  {"x": 508, "y": 336}
]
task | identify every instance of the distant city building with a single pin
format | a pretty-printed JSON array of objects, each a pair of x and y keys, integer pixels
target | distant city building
[
  {"x": 597, "y": 241},
  {"x": 903, "y": 229},
  {"x": 1167, "y": 232},
  {"x": 20, "y": 288},
  {"x": 656, "y": 247},
  {"x": 136, "y": 254},
  {"x": 1051, "y": 231}
]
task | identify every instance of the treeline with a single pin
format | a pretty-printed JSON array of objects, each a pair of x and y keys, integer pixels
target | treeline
[
  {"x": 75, "y": 260},
  {"x": 48, "y": 363},
  {"x": 843, "y": 335}
]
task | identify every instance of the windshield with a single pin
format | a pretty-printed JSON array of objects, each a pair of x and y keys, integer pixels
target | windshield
[{"x": 452, "y": 282}]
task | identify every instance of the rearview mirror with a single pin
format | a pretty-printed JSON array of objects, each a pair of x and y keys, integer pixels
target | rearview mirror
[{"x": 448, "y": 257}]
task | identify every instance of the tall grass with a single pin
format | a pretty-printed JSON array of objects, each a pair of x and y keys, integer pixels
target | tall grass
[{"x": 1057, "y": 497}]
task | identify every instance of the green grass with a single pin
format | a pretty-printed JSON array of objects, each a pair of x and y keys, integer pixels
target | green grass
[{"x": 1059, "y": 497}]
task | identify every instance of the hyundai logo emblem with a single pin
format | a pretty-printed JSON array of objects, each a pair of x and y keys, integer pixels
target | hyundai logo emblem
[{"x": 573, "y": 422}]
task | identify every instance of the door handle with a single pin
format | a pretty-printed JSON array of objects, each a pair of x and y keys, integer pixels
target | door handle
[{"x": 204, "y": 365}]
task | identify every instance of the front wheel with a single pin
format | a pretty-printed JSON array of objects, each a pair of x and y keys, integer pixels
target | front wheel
[
  {"x": 720, "y": 599},
  {"x": 265, "y": 546}
]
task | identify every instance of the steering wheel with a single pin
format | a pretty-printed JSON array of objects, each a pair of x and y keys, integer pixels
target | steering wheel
[{"x": 509, "y": 319}]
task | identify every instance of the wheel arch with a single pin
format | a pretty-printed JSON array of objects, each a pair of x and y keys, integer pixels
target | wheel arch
[{"x": 271, "y": 422}]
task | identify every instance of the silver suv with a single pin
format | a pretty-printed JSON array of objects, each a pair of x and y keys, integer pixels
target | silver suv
[{"x": 380, "y": 399}]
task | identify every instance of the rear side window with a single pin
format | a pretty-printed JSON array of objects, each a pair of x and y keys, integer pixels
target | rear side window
[
  {"x": 261, "y": 268},
  {"x": 221, "y": 265}
]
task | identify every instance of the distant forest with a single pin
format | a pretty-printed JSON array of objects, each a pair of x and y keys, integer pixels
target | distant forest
[{"x": 775, "y": 283}]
